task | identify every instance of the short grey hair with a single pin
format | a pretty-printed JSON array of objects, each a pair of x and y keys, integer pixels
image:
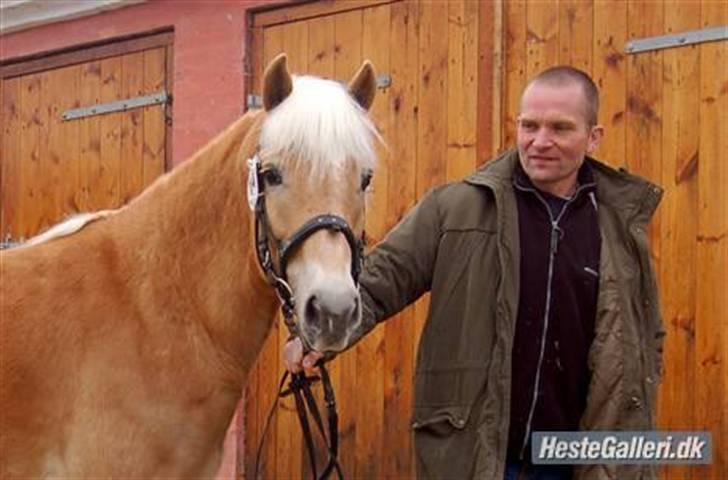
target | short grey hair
[{"x": 564, "y": 75}]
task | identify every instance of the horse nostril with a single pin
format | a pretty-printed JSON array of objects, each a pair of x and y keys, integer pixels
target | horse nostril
[{"x": 313, "y": 310}]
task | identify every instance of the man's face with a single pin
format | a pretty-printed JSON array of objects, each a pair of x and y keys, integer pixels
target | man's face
[{"x": 554, "y": 135}]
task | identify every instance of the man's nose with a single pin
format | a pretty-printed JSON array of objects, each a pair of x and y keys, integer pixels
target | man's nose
[{"x": 542, "y": 139}]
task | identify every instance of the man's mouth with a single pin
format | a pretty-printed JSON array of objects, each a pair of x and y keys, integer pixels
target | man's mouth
[{"x": 541, "y": 158}]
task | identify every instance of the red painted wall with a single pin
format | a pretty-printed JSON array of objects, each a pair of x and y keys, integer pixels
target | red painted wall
[
  {"x": 208, "y": 86},
  {"x": 209, "y": 46}
]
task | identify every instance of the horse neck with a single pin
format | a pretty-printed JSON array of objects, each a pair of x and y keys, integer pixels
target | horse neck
[{"x": 196, "y": 243}]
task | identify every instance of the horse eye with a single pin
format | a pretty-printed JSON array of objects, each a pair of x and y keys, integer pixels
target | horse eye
[
  {"x": 272, "y": 177},
  {"x": 366, "y": 179}
]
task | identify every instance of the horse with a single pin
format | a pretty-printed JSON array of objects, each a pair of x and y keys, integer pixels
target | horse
[{"x": 127, "y": 335}]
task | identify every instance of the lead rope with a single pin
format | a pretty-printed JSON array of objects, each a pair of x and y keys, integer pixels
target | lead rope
[{"x": 300, "y": 387}]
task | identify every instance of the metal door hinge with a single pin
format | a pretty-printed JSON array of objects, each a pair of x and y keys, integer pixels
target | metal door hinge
[
  {"x": 384, "y": 81},
  {"x": 254, "y": 101},
  {"x": 117, "y": 106},
  {"x": 8, "y": 242},
  {"x": 677, "y": 39}
]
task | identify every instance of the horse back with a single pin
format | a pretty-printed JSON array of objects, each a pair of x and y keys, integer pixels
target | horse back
[{"x": 51, "y": 330}]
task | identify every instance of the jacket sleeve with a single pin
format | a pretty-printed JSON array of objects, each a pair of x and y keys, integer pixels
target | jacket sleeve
[{"x": 399, "y": 269}]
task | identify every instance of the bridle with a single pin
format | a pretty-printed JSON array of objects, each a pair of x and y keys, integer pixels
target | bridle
[
  {"x": 299, "y": 385},
  {"x": 277, "y": 277}
]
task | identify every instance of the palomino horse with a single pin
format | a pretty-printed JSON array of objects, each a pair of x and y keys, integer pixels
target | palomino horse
[{"x": 127, "y": 335}]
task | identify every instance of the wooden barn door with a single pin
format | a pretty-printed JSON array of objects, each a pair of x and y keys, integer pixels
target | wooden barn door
[
  {"x": 434, "y": 109},
  {"x": 53, "y": 166}
]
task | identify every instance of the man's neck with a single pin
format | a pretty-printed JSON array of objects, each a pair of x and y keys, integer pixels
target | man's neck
[{"x": 562, "y": 189}]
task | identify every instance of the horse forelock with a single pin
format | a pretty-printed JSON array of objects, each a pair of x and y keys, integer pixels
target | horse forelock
[{"x": 320, "y": 127}]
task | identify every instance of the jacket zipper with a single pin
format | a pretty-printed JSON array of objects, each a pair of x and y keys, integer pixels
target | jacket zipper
[{"x": 556, "y": 233}]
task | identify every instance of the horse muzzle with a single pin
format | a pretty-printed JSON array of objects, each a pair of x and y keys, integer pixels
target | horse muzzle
[{"x": 329, "y": 316}]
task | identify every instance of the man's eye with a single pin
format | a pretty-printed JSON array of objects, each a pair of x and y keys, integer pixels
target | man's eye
[
  {"x": 528, "y": 126},
  {"x": 272, "y": 177},
  {"x": 366, "y": 179}
]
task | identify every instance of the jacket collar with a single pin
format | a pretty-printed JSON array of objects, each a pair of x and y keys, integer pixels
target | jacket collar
[
  {"x": 632, "y": 197},
  {"x": 585, "y": 180}
]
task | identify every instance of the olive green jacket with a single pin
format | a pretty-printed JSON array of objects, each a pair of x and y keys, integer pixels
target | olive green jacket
[{"x": 461, "y": 244}]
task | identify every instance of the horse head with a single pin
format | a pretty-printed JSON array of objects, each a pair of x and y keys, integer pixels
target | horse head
[{"x": 308, "y": 185}]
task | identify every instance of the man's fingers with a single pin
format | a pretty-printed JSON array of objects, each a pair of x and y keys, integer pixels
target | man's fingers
[
  {"x": 295, "y": 361},
  {"x": 309, "y": 362},
  {"x": 293, "y": 354}
]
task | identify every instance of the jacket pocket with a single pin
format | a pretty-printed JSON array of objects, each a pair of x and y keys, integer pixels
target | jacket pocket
[
  {"x": 445, "y": 441},
  {"x": 440, "y": 421}
]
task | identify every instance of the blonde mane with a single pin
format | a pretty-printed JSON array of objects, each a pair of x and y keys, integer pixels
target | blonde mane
[
  {"x": 67, "y": 227},
  {"x": 320, "y": 127}
]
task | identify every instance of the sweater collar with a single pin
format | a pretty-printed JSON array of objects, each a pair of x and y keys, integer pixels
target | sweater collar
[{"x": 584, "y": 180}]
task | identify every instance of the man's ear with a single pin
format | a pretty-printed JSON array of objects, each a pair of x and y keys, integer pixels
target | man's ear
[{"x": 595, "y": 138}]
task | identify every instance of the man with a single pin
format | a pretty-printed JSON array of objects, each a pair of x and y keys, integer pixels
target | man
[{"x": 543, "y": 314}]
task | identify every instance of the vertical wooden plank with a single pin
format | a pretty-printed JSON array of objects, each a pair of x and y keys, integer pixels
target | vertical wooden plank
[
  {"x": 721, "y": 445},
  {"x": 5, "y": 110},
  {"x": 433, "y": 111},
  {"x": 131, "y": 175},
  {"x": 89, "y": 134},
  {"x": 644, "y": 105},
  {"x": 10, "y": 193},
  {"x": 431, "y": 168},
  {"x": 290, "y": 448},
  {"x": 489, "y": 79},
  {"x": 269, "y": 359},
  {"x": 370, "y": 359},
  {"x": 610, "y": 75},
  {"x": 321, "y": 42},
  {"x": 70, "y": 166},
  {"x": 32, "y": 122},
  {"x": 255, "y": 66},
  {"x": 347, "y": 58},
  {"x": 712, "y": 256},
  {"x": 432, "y": 93},
  {"x": 576, "y": 29},
  {"x": 60, "y": 150},
  {"x": 47, "y": 183},
  {"x": 456, "y": 96},
  {"x": 154, "y": 149},
  {"x": 105, "y": 187},
  {"x": 402, "y": 141},
  {"x": 542, "y": 23},
  {"x": 680, "y": 142},
  {"x": 461, "y": 75},
  {"x": 644, "y": 79},
  {"x": 252, "y": 432},
  {"x": 515, "y": 78}
]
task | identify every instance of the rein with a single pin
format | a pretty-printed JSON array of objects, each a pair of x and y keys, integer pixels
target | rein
[{"x": 299, "y": 384}]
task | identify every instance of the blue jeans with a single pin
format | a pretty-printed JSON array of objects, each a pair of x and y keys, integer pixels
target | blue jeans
[{"x": 521, "y": 471}]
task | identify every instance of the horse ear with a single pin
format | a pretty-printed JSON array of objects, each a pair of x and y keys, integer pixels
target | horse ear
[
  {"x": 363, "y": 85},
  {"x": 277, "y": 82}
]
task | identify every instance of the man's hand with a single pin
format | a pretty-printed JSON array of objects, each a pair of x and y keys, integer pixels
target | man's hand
[{"x": 295, "y": 360}]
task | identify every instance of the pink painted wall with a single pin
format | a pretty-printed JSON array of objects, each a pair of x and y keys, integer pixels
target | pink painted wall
[
  {"x": 209, "y": 46},
  {"x": 208, "y": 86}
]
